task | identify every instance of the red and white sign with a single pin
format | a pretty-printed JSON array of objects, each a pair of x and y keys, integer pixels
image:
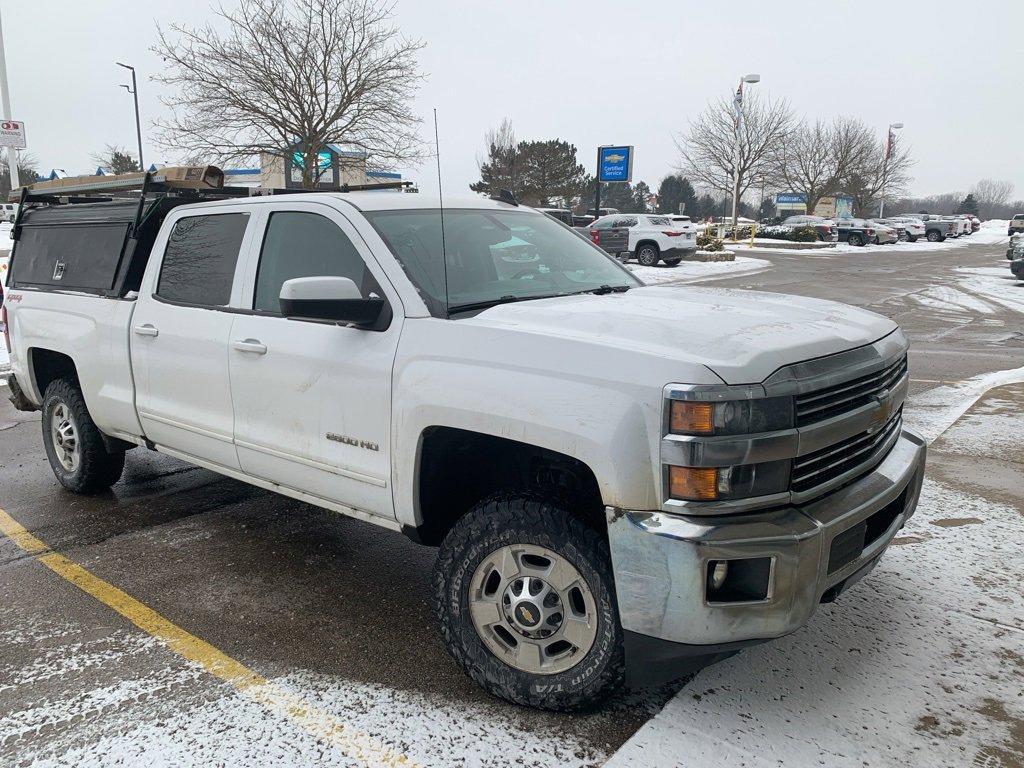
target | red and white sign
[{"x": 12, "y": 134}]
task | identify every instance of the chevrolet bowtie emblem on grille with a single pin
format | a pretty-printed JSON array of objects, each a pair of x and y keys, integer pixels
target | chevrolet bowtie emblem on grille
[{"x": 881, "y": 416}]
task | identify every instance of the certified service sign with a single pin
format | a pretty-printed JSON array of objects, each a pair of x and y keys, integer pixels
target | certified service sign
[
  {"x": 12, "y": 134},
  {"x": 614, "y": 164}
]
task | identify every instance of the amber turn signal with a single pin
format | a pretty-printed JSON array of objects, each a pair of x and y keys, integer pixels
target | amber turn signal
[
  {"x": 689, "y": 418},
  {"x": 693, "y": 483}
]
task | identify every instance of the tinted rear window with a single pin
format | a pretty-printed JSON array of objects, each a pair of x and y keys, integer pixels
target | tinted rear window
[{"x": 199, "y": 263}]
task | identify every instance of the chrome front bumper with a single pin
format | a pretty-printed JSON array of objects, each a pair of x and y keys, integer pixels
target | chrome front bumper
[{"x": 661, "y": 559}]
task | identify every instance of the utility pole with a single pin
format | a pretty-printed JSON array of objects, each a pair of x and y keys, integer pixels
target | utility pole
[
  {"x": 133, "y": 89},
  {"x": 12, "y": 155},
  {"x": 885, "y": 164},
  {"x": 737, "y": 104}
]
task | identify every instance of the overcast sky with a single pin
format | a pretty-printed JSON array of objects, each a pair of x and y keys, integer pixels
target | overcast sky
[{"x": 591, "y": 73}]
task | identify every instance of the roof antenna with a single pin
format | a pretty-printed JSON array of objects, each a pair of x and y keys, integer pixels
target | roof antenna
[{"x": 440, "y": 198}]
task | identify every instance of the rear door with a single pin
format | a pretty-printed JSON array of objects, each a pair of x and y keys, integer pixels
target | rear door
[
  {"x": 180, "y": 331},
  {"x": 312, "y": 399}
]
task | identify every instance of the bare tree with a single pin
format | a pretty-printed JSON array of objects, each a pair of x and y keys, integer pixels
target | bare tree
[
  {"x": 499, "y": 169},
  {"x": 292, "y": 76},
  {"x": 817, "y": 159},
  {"x": 709, "y": 147},
  {"x": 883, "y": 171},
  {"x": 991, "y": 195}
]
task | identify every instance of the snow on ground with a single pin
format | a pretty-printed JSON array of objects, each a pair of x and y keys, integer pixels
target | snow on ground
[
  {"x": 698, "y": 271},
  {"x": 161, "y": 711},
  {"x": 920, "y": 664}
]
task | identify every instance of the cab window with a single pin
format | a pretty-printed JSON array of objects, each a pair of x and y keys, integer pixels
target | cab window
[
  {"x": 300, "y": 244},
  {"x": 199, "y": 262}
]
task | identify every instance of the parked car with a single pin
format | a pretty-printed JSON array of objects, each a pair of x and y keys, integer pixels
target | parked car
[
  {"x": 1015, "y": 250},
  {"x": 975, "y": 222},
  {"x": 1016, "y": 224},
  {"x": 582, "y": 221},
  {"x": 827, "y": 230},
  {"x": 963, "y": 225},
  {"x": 1017, "y": 268},
  {"x": 563, "y": 215},
  {"x": 8, "y": 212},
  {"x": 597, "y": 214},
  {"x": 886, "y": 234},
  {"x": 654, "y": 237},
  {"x": 623, "y": 481},
  {"x": 937, "y": 228},
  {"x": 913, "y": 228},
  {"x": 855, "y": 231}
]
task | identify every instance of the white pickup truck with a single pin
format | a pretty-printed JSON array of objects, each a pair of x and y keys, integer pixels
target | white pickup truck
[{"x": 624, "y": 481}]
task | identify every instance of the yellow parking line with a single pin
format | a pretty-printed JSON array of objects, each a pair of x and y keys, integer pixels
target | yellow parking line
[{"x": 351, "y": 742}]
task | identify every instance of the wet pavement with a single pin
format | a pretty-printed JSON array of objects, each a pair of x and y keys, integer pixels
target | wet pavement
[{"x": 337, "y": 612}]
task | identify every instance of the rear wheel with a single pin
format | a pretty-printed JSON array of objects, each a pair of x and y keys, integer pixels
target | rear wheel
[
  {"x": 855, "y": 239},
  {"x": 525, "y": 597},
  {"x": 672, "y": 262},
  {"x": 648, "y": 254},
  {"x": 935, "y": 236},
  {"x": 74, "y": 446},
  {"x": 911, "y": 238}
]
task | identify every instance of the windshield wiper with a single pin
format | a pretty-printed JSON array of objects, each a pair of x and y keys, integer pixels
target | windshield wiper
[
  {"x": 608, "y": 289},
  {"x": 485, "y": 304}
]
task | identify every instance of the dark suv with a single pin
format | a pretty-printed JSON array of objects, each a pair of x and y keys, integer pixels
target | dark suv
[{"x": 855, "y": 231}]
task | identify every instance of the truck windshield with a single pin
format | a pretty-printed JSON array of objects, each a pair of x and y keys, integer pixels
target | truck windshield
[{"x": 494, "y": 257}]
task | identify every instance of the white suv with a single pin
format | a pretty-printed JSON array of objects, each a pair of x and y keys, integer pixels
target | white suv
[{"x": 653, "y": 237}]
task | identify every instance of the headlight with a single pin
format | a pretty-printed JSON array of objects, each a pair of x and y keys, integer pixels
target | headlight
[
  {"x": 725, "y": 483},
  {"x": 731, "y": 417}
]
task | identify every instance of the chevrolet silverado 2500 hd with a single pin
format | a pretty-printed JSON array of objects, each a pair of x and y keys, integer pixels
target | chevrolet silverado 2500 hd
[{"x": 624, "y": 481}]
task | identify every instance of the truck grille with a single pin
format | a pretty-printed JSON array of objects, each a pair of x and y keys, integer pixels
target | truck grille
[
  {"x": 857, "y": 452},
  {"x": 842, "y": 398}
]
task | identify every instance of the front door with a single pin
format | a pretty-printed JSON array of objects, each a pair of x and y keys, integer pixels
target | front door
[
  {"x": 179, "y": 339},
  {"x": 312, "y": 400}
]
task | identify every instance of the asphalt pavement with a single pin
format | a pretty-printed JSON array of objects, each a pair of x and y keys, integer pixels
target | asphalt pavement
[{"x": 335, "y": 613}]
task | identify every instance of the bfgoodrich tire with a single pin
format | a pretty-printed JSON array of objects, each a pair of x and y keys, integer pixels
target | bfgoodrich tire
[
  {"x": 74, "y": 446},
  {"x": 525, "y": 597}
]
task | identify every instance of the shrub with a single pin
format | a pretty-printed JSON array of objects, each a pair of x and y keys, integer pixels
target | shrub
[
  {"x": 708, "y": 242},
  {"x": 803, "y": 234}
]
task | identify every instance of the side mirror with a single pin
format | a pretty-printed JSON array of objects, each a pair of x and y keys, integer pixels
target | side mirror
[{"x": 336, "y": 299}]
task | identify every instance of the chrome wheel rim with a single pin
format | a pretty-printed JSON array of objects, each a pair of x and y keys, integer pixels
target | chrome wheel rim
[
  {"x": 64, "y": 434},
  {"x": 532, "y": 609}
]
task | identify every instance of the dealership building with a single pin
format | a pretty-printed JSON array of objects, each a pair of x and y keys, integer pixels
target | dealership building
[{"x": 831, "y": 207}]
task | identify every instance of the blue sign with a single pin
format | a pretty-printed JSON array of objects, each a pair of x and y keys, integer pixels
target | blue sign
[
  {"x": 790, "y": 197},
  {"x": 614, "y": 164}
]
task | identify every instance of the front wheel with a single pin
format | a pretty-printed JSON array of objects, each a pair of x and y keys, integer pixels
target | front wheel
[
  {"x": 525, "y": 596},
  {"x": 935, "y": 237},
  {"x": 648, "y": 254},
  {"x": 74, "y": 446}
]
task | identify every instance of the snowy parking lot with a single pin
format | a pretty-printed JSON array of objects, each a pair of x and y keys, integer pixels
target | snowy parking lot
[{"x": 252, "y": 630}]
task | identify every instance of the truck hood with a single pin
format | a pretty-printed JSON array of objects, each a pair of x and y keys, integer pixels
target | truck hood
[{"x": 743, "y": 336}]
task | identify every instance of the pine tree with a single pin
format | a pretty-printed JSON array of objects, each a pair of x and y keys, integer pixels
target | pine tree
[
  {"x": 675, "y": 190},
  {"x": 969, "y": 205},
  {"x": 550, "y": 173}
]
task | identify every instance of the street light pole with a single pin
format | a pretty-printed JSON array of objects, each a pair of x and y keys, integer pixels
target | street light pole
[
  {"x": 134, "y": 91},
  {"x": 737, "y": 103},
  {"x": 12, "y": 155},
  {"x": 885, "y": 165}
]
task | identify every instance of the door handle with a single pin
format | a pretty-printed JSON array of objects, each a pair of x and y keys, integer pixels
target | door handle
[
  {"x": 146, "y": 329},
  {"x": 253, "y": 346}
]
